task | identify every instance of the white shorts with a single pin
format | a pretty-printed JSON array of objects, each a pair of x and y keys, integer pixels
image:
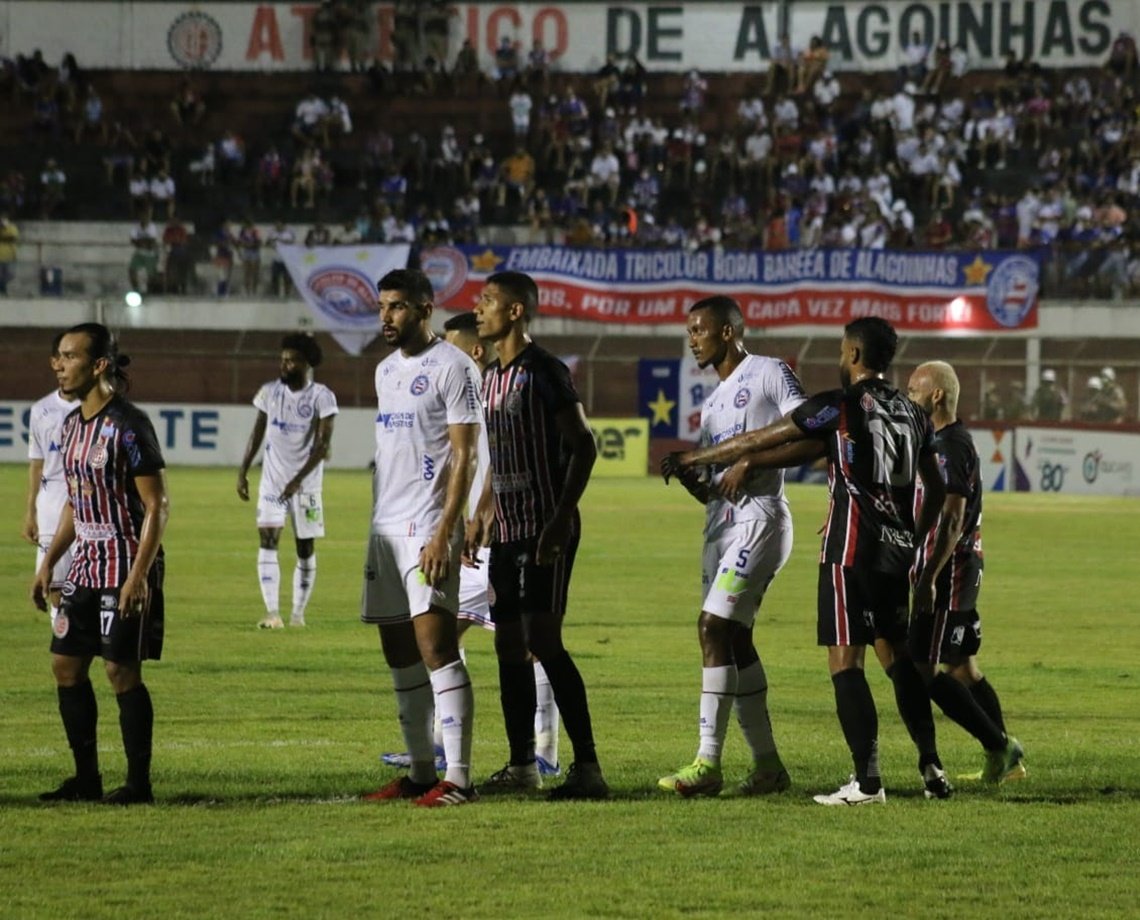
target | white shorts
[
  {"x": 474, "y": 591},
  {"x": 739, "y": 563},
  {"x": 394, "y": 588},
  {"x": 62, "y": 567},
  {"x": 304, "y": 511}
]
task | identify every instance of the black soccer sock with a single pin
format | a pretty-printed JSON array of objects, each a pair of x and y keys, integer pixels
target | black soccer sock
[
  {"x": 957, "y": 702},
  {"x": 986, "y": 697},
  {"x": 80, "y": 714},
  {"x": 570, "y": 695},
  {"x": 913, "y": 701},
  {"x": 518, "y": 698},
  {"x": 860, "y": 722},
  {"x": 136, "y": 720}
]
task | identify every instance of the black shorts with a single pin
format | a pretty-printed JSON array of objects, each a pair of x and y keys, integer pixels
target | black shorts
[
  {"x": 945, "y": 637},
  {"x": 88, "y": 624},
  {"x": 856, "y": 607},
  {"x": 519, "y": 586},
  {"x": 959, "y": 583}
]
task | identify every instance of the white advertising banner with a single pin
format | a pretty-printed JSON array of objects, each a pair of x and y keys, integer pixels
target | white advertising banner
[
  {"x": 206, "y": 435},
  {"x": 339, "y": 285},
  {"x": 1077, "y": 462},
  {"x": 664, "y": 36}
]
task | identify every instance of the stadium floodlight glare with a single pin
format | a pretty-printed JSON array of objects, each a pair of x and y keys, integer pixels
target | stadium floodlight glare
[{"x": 133, "y": 299}]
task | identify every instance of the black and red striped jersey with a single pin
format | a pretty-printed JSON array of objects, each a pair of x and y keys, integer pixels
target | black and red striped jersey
[
  {"x": 529, "y": 458},
  {"x": 874, "y": 436},
  {"x": 102, "y": 456},
  {"x": 961, "y": 471}
]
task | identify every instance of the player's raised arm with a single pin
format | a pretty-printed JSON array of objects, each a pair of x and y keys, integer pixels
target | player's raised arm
[
  {"x": 732, "y": 449},
  {"x": 790, "y": 454}
]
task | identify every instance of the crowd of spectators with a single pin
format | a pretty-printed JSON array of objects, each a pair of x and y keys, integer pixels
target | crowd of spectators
[
  {"x": 1028, "y": 158},
  {"x": 1103, "y": 401}
]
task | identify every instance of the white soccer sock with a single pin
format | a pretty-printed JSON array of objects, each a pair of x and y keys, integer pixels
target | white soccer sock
[
  {"x": 718, "y": 690},
  {"x": 414, "y": 708},
  {"x": 545, "y": 717},
  {"x": 269, "y": 574},
  {"x": 436, "y": 726},
  {"x": 455, "y": 703},
  {"x": 752, "y": 712},
  {"x": 304, "y": 577}
]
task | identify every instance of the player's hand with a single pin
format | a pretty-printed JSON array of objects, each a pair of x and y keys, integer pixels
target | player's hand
[
  {"x": 674, "y": 464},
  {"x": 731, "y": 485},
  {"x": 134, "y": 597},
  {"x": 243, "y": 487},
  {"x": 292, "y": 487},
  {"x": 472, "y": 543},
  {"x": 435, "y": 559},
  {"x": 31, "y": 531},
  {"x": 41, "y": 588},
  {"x": 553, "y": 540}
]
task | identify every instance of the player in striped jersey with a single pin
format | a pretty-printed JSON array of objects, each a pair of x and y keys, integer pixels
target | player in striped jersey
[
  {"x": 47, "y": 487},
  {"x": 427, "y": 425},
  {"x": 877, "y": 442},
  {"x": 295, "y": 419},
  {"x": 112, "y": 601},
  {"x": 542, "y": 452},
  {"x": 748, "y": 538},
  {"x": 945, "y": 627},
  {"x": 474, "y": 586}
]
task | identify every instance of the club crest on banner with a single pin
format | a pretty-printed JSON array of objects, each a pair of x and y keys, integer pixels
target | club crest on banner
[
  {"x": 195, "y": 40},
  {"x": 1012, "y": 290},
  {"x": 344, "y": 293},
  {"x": 446, "y": 268}
]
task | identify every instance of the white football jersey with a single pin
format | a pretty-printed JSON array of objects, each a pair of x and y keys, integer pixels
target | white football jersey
[
  {"x": 44, "y": 424},
  {"x": 417, "y": 398},
  {"x": 293, "y": 417},
  {"x": 760, "y": 391}
]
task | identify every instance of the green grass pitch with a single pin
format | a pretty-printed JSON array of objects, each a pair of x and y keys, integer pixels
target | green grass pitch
[{"x": 264, "y": 741}]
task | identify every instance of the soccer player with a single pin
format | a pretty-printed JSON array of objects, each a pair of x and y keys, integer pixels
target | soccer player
[
  {"x": 876, "y": 441},
  {"x": 474, "y": 600},
  {"x": 542, "y": 452},
  {"x": 747, "y": 541},
  {"x": 945, "y": 627},
  {"x": 427, "y": 427},
  {"x": 295, "y": 419},
  {"x": 112, "y": 601},
  {"x": 47, "y": 487}
]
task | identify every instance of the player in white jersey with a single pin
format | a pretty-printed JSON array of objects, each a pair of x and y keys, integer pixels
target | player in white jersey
[
  {"x": 295, "y": 420},
  {"x": 47, "y": 487},
  {"x": 748, "y": 537},
  {"x": 474, "y": 585},
  {"x": 427, "y": 427}
]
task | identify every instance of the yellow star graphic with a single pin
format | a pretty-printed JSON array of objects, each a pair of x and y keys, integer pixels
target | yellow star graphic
[
  {"x": 309, "y": 258},
  {"x": 486, "y": 261},
  {"x": 362, "y": 255},
  {"x": 662, "y": 409},
  {"x": 976, "y": 271}
]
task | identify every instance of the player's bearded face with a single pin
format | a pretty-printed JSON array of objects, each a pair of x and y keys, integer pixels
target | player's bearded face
[{"x": 292, "y": 369}]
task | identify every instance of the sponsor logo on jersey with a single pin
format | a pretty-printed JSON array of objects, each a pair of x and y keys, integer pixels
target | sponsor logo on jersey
[
  {"x": 419, "y": 385},
  {"x": 194, "y": 40},
  {"x": 742, "y": 397},
  {"x": 305, "y": 408},
  {"x": 822, "y": 417},
  {"x": 391, "y": 420}
]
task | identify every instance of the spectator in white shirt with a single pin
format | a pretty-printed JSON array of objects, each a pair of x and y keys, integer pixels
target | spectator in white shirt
[
  {"x": 162, "y": 191},
  {"x": 605, "y": 173},
  {"x": 751, "y": 112},
  {"x": 785, "y": 115},
  {"x": 826, "y": 90}
]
